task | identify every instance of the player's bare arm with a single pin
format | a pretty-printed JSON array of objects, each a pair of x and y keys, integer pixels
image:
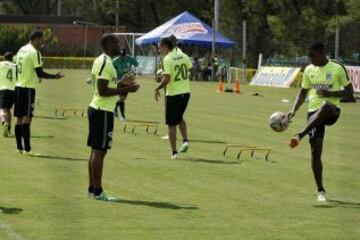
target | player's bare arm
[
  {"x": 300, "y": 99},
  {"x": 105, "y": 91},
  {"x": 42, "y": 74},
  {"x": 164, "y": 81},
  {"x": 347, "y": 92}
]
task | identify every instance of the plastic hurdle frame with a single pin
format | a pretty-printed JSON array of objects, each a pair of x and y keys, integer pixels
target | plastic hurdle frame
[
  {"x": 62, "y": 111},
  {"x": 147, "y": 126},
  {"x": 252, "y": 149}
]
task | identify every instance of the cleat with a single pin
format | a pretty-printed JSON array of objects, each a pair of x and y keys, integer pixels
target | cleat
[
  {"x": 122, "y": 119},
  {"x": 31, "y": 154},
  {"x": 184, "y": 147},
  {"x": 6, "y": 131},
  {"x": 295, "y": 141},
  {"x": 174, "y": 156},
  {"x": 106, "y": 198},
  {"x": 321, "y": 196},
  {"x": 18, "y": 151}
]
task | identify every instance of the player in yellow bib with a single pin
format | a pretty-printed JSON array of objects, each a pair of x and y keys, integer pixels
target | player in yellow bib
[
  {"x": 325, "y": 82},
  {"x": 106, "y": 90},
  {"x": 29, "y": 68},
  {"x": 177, "y": 68},
  {"x": 7, "y": 87}
]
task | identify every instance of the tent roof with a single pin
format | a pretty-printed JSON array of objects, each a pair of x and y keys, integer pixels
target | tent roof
[{"x": 188, "y": 30}]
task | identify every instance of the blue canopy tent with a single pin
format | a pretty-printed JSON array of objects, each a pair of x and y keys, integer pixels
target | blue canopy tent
[{"x": 188, "y": 30}]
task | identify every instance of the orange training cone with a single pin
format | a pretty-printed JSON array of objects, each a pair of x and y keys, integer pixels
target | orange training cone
[
  {"x": 237, "y": 86},
  {"x": 220, "y": 87}
]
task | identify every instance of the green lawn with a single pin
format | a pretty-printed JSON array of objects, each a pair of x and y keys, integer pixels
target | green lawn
[{"x": 201, "y": 196}]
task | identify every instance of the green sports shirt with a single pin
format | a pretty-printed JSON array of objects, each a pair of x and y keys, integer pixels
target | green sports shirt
[
  {"x": 7, "y": 75},
  {"x": 332, "y": 77},
  {"x": 177, "y": 64},
  {"x": 27, "y": 60},
  {"x": 124, "y": 64},
  {"x": 103, "y": 69}
]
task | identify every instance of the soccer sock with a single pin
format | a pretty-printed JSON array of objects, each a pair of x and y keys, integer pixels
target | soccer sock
[
  {"x": 185, "y": 140},
  {"x": 26, "y": 136},
  {"x": 122, "y": 108},
  {"x": 321, "y": 189},
  {"x": 18, "y": 135},
  {"x": 91, "y": 189},
  {"x": 174, "y": 152},
  {"x": 98, "y": 191}
]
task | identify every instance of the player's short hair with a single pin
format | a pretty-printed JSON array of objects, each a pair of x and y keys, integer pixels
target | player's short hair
[
  {"x": 8, "y": 56},
  {"x": 36, "y": 34},
  {"x": 317, "y": 46},
  {"x": 168, "y": 42},
  {"x": 107, "y": 38},
  {"x": 173, "y": 38}
]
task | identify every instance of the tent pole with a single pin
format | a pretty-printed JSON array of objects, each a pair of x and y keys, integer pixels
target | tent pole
[{"x": 213, "y": 53}]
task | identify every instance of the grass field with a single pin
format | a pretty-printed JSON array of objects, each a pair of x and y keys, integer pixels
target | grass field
[{"x": 200, "y": 196}]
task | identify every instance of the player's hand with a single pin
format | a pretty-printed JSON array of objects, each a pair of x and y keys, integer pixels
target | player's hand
[
  {"x": 157, "y": 95},
  {"x": 132, "y": 87},
  {"x": 323, "y": 93},
  {"x": 128, "y": 79},
  {"x": 291, "y": 114},
  {"x": 59, "y": 75}
]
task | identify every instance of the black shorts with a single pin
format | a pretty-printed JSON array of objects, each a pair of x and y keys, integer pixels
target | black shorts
[
  {"x": 7, "y": 98},
  {"x": 175, "y": 108},
  {"x": 319, "y": 131},
  {"x": 101, "y": 125},
  {"x": 24, "y": 102}
]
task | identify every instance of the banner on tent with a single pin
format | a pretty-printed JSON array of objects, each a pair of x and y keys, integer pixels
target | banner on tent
[
  {"x": 275, "y": 76},
  {"x": 354, "y": 75}
]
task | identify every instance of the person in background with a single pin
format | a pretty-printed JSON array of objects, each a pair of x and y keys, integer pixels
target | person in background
[
  {"x": 123, "y": 65},
  {"x": 197, "y": 68},
  {"x": 8, "y": 78},
  {"x": 177, "y": 69}
]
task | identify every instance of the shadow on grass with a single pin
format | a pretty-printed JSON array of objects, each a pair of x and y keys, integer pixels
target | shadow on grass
[
  {"x": 59, "y": 158},
  {"x": 207, "y": 141},
  {"x": 42, "y": 136},
  {"x": 333, "y": 203},
  {"x": 6, "y": 210},
  {"x": 210, "y": 161},
  {"x": 154, "y": 204},
  {"x": 51, "y": 118}
]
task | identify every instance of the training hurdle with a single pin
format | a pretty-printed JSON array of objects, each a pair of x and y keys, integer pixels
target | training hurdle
[
  {"x": 75, "y": 111},
  {"x": 148, "y": 127},
  {"x": 252, "y": 149}
]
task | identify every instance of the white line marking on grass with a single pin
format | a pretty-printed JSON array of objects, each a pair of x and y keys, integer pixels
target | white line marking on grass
[{"x": 9, "y": 232}]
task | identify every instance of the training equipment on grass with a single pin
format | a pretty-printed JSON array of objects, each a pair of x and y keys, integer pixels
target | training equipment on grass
[
  {"x": 74, "y": 111},
  {"x": 147, "y": 125},
  {"x": 279, "y": 121},
  {"x": 220, "y": 87},
  {"x": 251, "y": 149}
]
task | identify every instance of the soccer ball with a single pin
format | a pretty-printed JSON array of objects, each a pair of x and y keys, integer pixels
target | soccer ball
[{"x": 279, "y": 121}]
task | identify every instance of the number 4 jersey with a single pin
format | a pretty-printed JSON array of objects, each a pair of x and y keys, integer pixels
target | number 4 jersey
[
  {"x": 177, "y": 64},
  {"x": 7, "y": 75}
]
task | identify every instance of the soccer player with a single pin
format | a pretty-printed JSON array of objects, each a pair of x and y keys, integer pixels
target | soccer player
[
  {"x": 29, "y": 68},
  {"x": 325, "y": 82},
  {"x": 7, "y": 88},
  {"x": 123, "y": 64},
  {"x": 177, "y": 68},
  {"x": 101, "y": 111}
]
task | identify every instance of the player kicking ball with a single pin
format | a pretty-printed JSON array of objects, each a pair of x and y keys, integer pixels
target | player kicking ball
[
  {"x": 176, "y": 78},
  {"x": 101, "y": 111},
  {"x": 29, "y": 68},
  {"x": 325, "y": 82},
  {"x": 7, "y": 94}
]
